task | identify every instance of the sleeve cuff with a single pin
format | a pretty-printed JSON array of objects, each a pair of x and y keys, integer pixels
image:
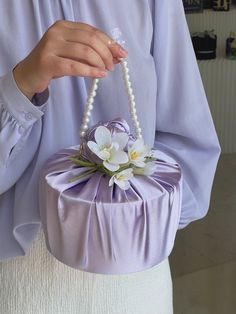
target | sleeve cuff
[{"x": 19, "y": 106}]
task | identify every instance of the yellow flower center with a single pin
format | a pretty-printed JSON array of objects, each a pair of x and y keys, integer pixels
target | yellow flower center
[
  {"x": 133, "y": 155},
  {"x": 121, "y": 177}
]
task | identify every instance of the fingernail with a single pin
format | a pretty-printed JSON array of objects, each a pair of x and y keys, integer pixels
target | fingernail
[
  {"x": 123, "y": 52},
  {"x": 102, "y": 73},
  {"x": 115, "y": 61},
  {"x": 110, "y": 67}
]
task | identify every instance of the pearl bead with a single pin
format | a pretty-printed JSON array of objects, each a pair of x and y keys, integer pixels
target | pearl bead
[
  {"x": 86, "y": 119},
  {"x": 132, "y": 108},
  {"x": 132, "y": 111},
  {"x": 90, "y": 100},
  {"x": 84, "y": 127},
  {"x": 131, "y": 97},
  {"x": 134, "y": 115},
  {"x": 131, "y": 100},
  {"x": 93, "y": 94}
]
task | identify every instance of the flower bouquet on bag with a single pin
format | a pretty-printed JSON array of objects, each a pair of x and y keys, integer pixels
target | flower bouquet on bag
[
  {"x": 110, "y": 205},
  {"x": 108, "y": 151}
]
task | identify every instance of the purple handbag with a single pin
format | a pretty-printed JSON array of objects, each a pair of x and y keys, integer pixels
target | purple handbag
[{"x": 110, "y": 205}]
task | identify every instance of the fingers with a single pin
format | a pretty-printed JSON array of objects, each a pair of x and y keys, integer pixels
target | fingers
[
  {"x": 116, "y": 49},
  {"x": 82, "y": 53},
  {"x": 68, "y": 67},
  {"x": 92, "y": 41},
  {"x": 94, "y": 38},
  {"x": 77, "y": 49}
]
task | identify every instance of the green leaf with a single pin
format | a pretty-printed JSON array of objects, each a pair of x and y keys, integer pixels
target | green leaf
[
  {"x": 105, "y": 170},
  {"x": 82, "y": 163},
  {"x": 84, "y": 174},
  {"x": 150, "y": 158}
]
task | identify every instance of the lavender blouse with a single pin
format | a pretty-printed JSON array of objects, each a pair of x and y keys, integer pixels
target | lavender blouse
[{"x": 170, "y": 98}]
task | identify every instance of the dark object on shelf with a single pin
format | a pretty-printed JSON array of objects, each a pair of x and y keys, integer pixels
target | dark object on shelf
[
  {"x": 204, "y": 44},
  {"x": 191, "y": 6},
  {"x": 231, "y": 46},
  {"x": 207, "y": 4},
  {"x": 221, "y": 5}
]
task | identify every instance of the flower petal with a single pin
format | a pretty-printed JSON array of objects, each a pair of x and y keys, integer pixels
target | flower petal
[
  {"x": 123, "y": 184},
  {"x": 115, "y": 146},
  {"x": 148, "y": 170},
  {"x": 138, "y": 163},
  {"x": 104, "y": 154},
  {"x": 93, "y": 147},
  {"x": 103, "y": 136},
  {"x": 138, "y": 145},
  {"x": 118, "y": 157},
  {"x": 121, "y": 139},
  {"x": 126, "y": 174},
  {"x": 147, "y": 151},
  {"x": 111, "y": 167},
  {"x": 111, "y": 181}
]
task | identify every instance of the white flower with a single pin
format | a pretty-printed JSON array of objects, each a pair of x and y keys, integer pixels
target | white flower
[
  {"x": 137, "y": 153},
  {"x": 148, "y": 169},
  {"x": 109, "y": 148},
  {"x": 122, "y": 178}
]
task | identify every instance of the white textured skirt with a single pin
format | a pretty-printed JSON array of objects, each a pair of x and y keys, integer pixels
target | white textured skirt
[{"x": 39, "y": 284}]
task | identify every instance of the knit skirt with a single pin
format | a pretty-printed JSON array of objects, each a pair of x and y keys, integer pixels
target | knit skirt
[{"x": 39, "y": 284}]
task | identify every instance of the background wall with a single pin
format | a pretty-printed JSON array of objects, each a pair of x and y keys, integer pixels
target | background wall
[{"x": 219, "y": 75}]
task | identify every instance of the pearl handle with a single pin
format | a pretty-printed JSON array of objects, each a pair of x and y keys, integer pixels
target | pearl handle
[{"x": 131, "y": 98}]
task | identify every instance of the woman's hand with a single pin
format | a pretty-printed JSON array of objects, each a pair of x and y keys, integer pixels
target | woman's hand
[{"x": 67, "y": 48}]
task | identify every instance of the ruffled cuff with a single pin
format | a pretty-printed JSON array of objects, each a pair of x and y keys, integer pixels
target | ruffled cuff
[
  {"x": 19, "y": 106},
  {"x": 17, "y": 115}
]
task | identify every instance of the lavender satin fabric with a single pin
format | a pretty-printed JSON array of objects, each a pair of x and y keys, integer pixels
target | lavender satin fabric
[{"x": 96, "y": 228}]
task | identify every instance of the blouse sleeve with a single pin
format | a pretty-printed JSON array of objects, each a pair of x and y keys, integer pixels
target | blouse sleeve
[
  {"x": 20, "y": 130},
  {"x": 184, "y": 127}
]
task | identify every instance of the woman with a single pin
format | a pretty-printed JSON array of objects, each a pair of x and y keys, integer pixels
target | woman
[{"x": 49, "y": 53}]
